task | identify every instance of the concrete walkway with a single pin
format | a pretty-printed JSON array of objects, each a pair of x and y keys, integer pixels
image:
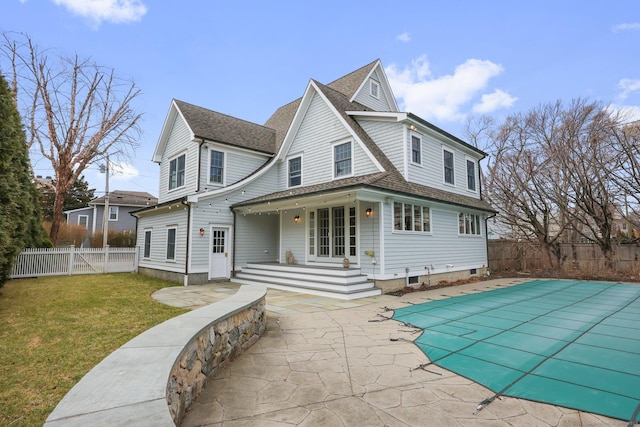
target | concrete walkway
[{"x": 326, "y": 362}]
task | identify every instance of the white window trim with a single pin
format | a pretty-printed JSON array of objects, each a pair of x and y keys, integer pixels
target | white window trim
[
  {"x": 469, "y": 235},
  {"x": 288, "y": 177},
  {"x": 84, "y": 216},
  {"x": 413, "y": 205},
  {"x": 177, "y": 187},
  {"x": 175, "y": 244},
  {"x": 224, "y": 167},
  {"x": 476, "y": 174},
  {"x": 117, "y": 208},
  {"x": 144, "y": 249},
  {"x": 417, "y": 135},
  {"x": 333, "y": 158},
  {"x": 444, "y": 175},
  {"x": 372, "y": 84}
]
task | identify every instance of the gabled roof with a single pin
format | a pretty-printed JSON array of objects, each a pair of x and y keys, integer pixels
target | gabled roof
[
  {"x": 280, "y": 121},
  {"x": 349, "y": 84},
  {"x": 127, "y": 198},
  {"x": 217, "y": 127}
]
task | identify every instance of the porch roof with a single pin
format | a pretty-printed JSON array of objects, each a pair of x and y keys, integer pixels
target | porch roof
[{"x": 385, "y": 181}]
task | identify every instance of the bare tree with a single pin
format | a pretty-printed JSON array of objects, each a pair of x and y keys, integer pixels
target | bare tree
[{"x": 74, "y": 110}]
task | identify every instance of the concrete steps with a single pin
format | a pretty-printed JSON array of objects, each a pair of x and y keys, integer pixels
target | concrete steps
[{"x": 332, "y": 282}]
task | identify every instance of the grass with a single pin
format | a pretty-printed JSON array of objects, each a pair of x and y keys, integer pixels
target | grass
[{"x": 53, "y": 330}]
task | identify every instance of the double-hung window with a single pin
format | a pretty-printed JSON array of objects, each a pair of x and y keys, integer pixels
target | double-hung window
[
  {"x": 171, "y": 243},
  {"x": 295, "y": 171},
  {"x": 147, "y": 244},
  {"x": 416, "y": 149},
  {"x": 342, "y": 160},
  {"x": 216, "y": 168},
  {"x": 176, "y": 172},
  {"x": 471, "y": 175},
  {"x": 447, "y": 158},
  {"x": 113, "y": 213}
]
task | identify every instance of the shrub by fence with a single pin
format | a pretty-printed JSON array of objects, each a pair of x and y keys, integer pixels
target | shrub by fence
[
  {"x": 67, "y": 261},
  {"x": 525, "y": 256}
]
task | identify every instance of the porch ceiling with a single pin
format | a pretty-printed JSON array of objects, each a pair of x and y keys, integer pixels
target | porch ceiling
[{"x": 304, "y": 201}]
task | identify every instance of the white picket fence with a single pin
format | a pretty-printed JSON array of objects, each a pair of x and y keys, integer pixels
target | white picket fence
[{"x": 67, "y": 261}]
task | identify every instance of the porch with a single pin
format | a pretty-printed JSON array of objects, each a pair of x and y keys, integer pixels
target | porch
[{"x": 333, "y": 282}]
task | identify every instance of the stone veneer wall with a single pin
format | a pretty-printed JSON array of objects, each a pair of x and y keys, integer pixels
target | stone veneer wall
[{"x": 211, "y": 350}]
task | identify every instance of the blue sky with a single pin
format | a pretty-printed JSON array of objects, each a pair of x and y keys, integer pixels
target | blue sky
[{"x": 445, "y": 60}]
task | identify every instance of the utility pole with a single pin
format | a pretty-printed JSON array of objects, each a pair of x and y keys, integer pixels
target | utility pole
[{"x": 105, "y": 219}]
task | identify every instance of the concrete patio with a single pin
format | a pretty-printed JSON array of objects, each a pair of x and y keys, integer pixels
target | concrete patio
[{"x": 325, "y": 362}]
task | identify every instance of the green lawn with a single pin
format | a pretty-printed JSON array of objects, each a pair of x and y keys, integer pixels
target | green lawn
[{"x": 53, "y": 330}]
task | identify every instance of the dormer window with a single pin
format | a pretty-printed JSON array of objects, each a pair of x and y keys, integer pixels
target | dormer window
[
  {"x": 375, "y": 89},
  {"x": 176, "y": 172}
]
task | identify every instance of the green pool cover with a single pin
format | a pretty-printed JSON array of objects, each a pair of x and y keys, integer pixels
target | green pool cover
[{"x": 569, "y": 343}]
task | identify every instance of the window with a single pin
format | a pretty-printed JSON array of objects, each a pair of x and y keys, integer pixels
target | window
[
  {"x": 113, "y": 213},
  {"x": 469, "y": 224},
  {"x": 410, "y": 217},
  {"x": 416, "y": 149},
  {"x": 342, "y": 160},
  {"x": 147, "y": 244},
  {"x": 295, "y": 172},
  {"x": 171, "y": 243},
  {"x": 83, "y": 220},
  {"x": 471, "y": 175},
  {"x": 176, "y": 172},
  {"x": 375, "y": 89},
  {"x": 216, "y": 168},
  {"x": 448, "y": 166}
]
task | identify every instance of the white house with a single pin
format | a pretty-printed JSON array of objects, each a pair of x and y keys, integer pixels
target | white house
[{"x": 337, "y": 177}]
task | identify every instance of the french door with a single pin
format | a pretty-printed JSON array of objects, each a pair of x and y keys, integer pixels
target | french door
[{"x": 332, "y": 234}]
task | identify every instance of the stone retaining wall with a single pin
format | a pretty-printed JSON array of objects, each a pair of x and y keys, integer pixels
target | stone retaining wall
[
  {"x": 152, "y": 379},
  {"x": 211, "y": 350}
]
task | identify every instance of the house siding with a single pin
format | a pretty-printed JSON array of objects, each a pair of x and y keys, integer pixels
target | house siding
[
  {"x": 364, "y": 95},
  {"x": 443, "y": 247},
  {"x": 293, "y": 236},
  {"x": 256, "y": 239},
  {"x": 158, "y": 224},
  {"x": 179, "y": 142},
  {"x": 318, "y": 132},
  {"x": 431, "y": 172},
  {"x": 388, "y": 136},
  {"x": 369, "y": 238},
  {"x": 238, "y": 165}
]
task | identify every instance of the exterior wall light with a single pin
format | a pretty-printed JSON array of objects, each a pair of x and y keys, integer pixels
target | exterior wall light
[
  {"x": 369, "y": 212},
  {"x": 201, "y": 232},
  {"x": 296, "y": 219}
]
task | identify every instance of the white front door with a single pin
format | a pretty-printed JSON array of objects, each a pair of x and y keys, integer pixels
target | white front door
[{"x": 219, "y": 253}]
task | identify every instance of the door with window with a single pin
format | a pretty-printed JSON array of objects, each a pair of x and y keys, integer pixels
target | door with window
[
  {"x": 332, "y": 234},
  {"x": 219, "y": 253}
]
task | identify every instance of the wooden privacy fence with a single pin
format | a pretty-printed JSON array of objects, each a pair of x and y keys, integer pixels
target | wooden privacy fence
[
  {"x": 525, "y": 256},
  {"x": 67, "y": 261}
]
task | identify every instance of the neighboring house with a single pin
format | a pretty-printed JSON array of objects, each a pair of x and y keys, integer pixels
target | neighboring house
[
  {"x": 337, "y": 177},
  {"x": 121, "y": 204}
]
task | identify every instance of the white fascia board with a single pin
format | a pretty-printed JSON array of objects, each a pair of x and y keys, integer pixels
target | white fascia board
[
  {"x": 379, "y": 115},
  {"x": 349, "y": 129},
  {"x": 296, "y": 122},
  {"x": 166, "y": 131},
  {"x": 221, "y": 146}
]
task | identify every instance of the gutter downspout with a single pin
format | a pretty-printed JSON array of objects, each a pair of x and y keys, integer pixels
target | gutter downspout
[
  {"x": 189, "y": 226},
  {"x": 233, "y": 248},
  {"x": 199, "y": 163}
]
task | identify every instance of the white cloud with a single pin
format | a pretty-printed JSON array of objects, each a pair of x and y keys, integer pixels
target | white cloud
[
  {"x": 630, "y": 113},
  {"x": 124, "y": 171},
  {"x": 494, "y": 101},
  {"x": 627, "y": 27},
  {"x": 404, "y": 37},
  {"x": 628, "y": 86},
  {"x": 444, "y": 97},
  {"x": 115, "y": 11}
]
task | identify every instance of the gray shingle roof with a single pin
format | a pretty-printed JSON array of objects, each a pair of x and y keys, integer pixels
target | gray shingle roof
[
  {"x": 281, "y": 120},
  {"x": 218, "y": 127},
  {"x": 127, "y": 198},
  {"x": 349, "y": 84}
]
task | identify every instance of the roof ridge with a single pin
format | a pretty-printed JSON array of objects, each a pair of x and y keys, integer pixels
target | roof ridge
[{"x": 221, "y": 114}]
